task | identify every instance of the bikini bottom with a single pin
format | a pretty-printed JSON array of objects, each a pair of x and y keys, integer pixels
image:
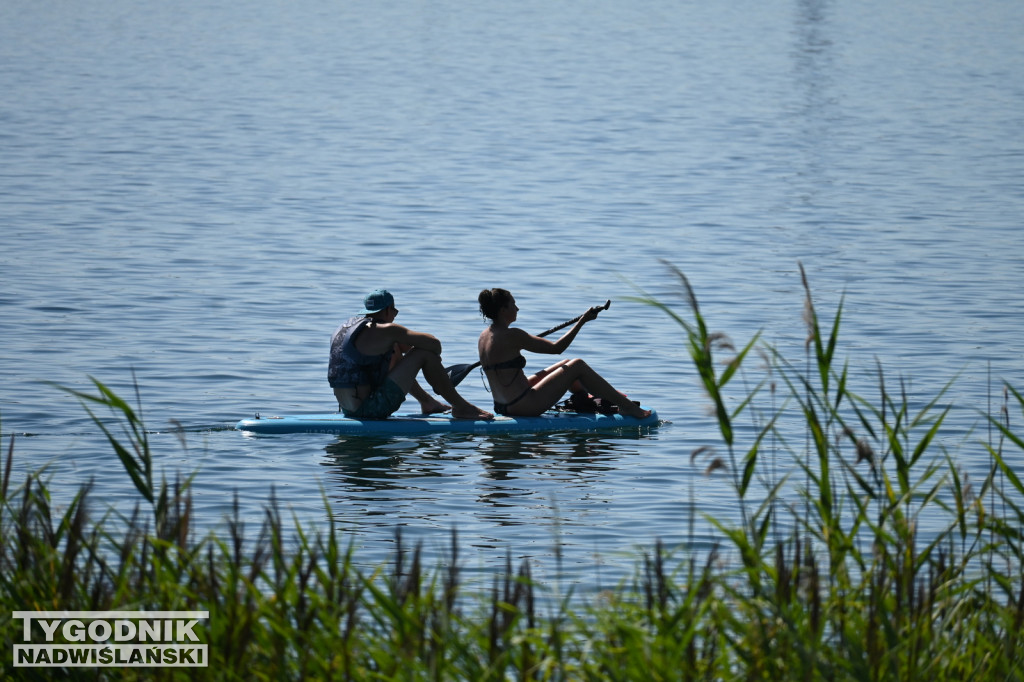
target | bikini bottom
[{"x": 502, "y": 408}]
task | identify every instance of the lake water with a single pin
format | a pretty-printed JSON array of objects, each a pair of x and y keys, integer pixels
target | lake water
[{"x": 200, "y": 193}]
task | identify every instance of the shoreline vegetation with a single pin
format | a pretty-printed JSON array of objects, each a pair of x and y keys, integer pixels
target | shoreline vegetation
[{"x": 830, "y": 576}]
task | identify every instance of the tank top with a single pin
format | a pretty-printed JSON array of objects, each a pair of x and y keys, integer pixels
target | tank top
[{"x": 348, "y": 367}]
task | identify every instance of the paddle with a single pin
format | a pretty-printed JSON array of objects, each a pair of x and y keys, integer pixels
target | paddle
[{"x": 459, "y": 372}]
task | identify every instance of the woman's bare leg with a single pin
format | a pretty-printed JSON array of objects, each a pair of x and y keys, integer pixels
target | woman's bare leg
[
  {"x": 550, "y": 388},
  {"x": 533, "y": 379}
]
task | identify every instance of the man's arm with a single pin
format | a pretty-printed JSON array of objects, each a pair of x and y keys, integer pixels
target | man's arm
[
  {"x": 380, "y": 338},
  {"x": 414, "y": 339}
]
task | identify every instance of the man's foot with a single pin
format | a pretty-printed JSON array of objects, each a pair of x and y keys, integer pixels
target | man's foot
[
  {"x": 433, "y": 406},
  {"x": 469, "y": 411}
]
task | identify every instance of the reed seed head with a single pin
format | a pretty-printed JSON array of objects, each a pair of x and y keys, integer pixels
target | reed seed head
[
  {"x": 716, "y": 463},
  {"x": 697, "y": 452},
  {"x": 864, "y": 452}
]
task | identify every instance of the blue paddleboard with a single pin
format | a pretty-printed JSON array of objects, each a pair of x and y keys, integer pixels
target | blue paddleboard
[{"x": 413, "y": 424}]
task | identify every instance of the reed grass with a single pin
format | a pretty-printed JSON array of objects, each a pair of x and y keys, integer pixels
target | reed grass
[{"x": 827, "y": 575}]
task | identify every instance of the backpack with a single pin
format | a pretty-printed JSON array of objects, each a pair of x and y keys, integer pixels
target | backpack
[{"x": 584, "y": 403}]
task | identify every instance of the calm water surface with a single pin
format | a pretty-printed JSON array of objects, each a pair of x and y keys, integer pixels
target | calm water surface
[{"x": 200, "y": 194}]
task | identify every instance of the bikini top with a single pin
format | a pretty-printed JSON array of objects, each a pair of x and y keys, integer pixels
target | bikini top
[{"x": 517, "y": 362}]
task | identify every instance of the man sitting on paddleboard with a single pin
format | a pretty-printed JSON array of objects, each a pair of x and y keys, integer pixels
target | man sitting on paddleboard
[
  {"x": 374, "y": 363},
  {"x": 515, "y": 394}
]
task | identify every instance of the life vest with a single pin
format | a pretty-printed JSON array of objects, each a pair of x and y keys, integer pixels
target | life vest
[{"x": 348, "y": 367}]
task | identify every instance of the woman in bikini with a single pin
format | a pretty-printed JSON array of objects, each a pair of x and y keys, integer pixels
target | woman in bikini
[{"x": 516, "y": 394}]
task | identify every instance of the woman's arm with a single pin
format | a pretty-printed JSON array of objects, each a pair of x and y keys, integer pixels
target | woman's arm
[{"x": 537, "y": 344}]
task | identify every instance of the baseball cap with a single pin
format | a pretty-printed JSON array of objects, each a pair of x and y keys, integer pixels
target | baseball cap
[{"x": 376, "y": 301}]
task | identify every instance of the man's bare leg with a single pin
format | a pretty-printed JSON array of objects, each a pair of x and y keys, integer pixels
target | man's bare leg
[
  {"x": 416, "y": 360},
  {"x": 428, "y": 403}
]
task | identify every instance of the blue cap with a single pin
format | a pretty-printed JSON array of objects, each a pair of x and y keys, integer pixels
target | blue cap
[{"x": 376, "y": 301}]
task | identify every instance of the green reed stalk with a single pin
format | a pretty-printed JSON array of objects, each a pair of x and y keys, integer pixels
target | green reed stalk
[{"x": 833, "y": 576}]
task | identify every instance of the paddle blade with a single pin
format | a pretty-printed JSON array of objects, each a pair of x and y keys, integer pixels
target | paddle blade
[{"x": 459, "y": 372}]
